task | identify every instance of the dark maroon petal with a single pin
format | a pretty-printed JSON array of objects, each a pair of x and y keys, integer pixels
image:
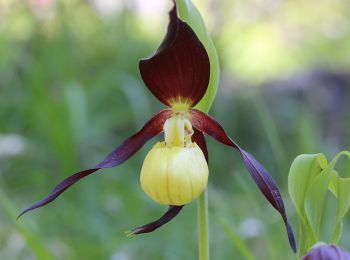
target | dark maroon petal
[
  {"x": 59, "y": 189},
  {"x": 269, "y": 188},
  {"x": 169, "y": 215},
  {"x": 327, "y": 252},
  {"x": 179, "y": 70},
  {"x": 198, "y": 138},
  {"x": 264, "y": 181},
  {"x": 152, "y": 128}
]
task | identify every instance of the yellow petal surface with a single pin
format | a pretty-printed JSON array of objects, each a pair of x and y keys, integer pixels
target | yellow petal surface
[{"x": 174, "y": 176}]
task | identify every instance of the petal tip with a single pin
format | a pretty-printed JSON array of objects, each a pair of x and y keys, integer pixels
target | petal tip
[
  {"x": 291, "y": 237},
  {"x": 170, "y": 214},
  {"x": 20, "y": 215},
  {"x": 129, "y": 233}
]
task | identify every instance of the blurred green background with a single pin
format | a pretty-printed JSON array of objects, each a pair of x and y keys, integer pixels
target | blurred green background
[{"x": 70, "y": 92}]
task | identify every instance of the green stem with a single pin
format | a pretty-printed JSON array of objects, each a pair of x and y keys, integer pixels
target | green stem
[{"x": 203, "y": 231}]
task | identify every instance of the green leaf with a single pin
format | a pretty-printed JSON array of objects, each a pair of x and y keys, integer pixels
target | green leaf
[
  {"x": 316, "y": 195},
  {"x": 315, "y": 198},
  {"x": 343, "y": 197},
  {"x": 189, "y": 13},
  {"x": 333, "y": 185},
  {"x": 340, "y": 187},
  {"x": 304, "y": 169},
  {"x": 302, "y": 172},
  {"x": 337, "y": 231},
  {"x": 306, "y": 238}
]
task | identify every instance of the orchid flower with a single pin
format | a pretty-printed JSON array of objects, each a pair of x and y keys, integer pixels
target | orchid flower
[{"x": 175, "y": 171}]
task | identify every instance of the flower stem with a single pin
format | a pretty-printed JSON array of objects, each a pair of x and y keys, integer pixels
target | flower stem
[{"x": 203, "y": 232}]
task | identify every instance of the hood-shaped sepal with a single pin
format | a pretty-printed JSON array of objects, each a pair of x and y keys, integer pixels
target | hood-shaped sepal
[{"x": 179, "y": 70}]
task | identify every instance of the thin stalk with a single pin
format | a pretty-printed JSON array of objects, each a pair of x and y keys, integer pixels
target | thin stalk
[{"x": 203, "y": 223}]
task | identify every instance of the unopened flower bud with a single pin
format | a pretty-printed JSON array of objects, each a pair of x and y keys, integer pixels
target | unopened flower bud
[{"x": 323, "y": 251}]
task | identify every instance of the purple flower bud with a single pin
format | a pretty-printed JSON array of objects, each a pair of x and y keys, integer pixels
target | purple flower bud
[{"x": 322, "y": 251}]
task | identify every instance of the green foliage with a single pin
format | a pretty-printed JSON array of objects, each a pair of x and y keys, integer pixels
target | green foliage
[
  {"x": 310, "y": 178},
  {"x": 340, "y": 187}
]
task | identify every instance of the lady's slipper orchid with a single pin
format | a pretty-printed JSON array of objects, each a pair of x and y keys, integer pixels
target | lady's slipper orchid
[{"x": 175, "y": 171}]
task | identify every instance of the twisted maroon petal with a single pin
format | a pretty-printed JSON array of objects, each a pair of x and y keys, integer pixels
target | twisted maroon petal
[
  {"x": 168, "y": 216},
  {"x": 152, "y": 128},
  {"x": 179, "y": 70},
  {"x": 264, "y": 181}
]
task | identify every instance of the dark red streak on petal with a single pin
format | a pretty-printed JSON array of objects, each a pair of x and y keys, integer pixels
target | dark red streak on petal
[
  {"x": 198, "y": 138},
  {"x": 168, "y": 216},
  {"x": 180, "y": 67},
  {"x": 122, "y": 153},
  {"x": 264, "y": 181}
]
